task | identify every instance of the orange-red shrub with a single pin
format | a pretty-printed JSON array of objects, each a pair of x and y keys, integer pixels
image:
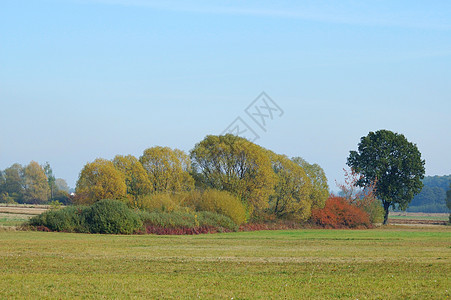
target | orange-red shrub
[{"x": 338, "y": 213}]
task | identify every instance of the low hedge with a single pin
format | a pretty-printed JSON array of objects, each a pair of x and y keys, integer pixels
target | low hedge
[{"x": 105, "y": 216}]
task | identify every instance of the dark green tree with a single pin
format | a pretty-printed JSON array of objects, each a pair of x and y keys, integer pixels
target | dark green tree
[{"x": 391, "y": 161}]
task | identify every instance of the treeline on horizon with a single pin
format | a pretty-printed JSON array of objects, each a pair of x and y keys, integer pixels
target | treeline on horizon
[{"x": 432, "y": 198}]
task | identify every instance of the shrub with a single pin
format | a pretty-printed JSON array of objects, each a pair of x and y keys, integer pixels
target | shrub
[
  {"x": 186, "y": 223},
  {"x": 375, "y": 211},
  {"x": 153, "y": 202},
  {"x": 220, "y": 202},
  {"x": 112, "y": 216},
  {"x": 105, "y": 216},
  {"x": 338, "y": 213},
  {"x": 68, "y": 219}
]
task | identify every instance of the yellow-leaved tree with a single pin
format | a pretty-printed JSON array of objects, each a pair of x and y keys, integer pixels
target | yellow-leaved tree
[
  {"x": 135, "y": 175},
  {"x": 36, "y": 188},
  {"x": 234, "y": 164},
  {"x": 318, "y": 179},
  {"x": 291, "y": 198},
  {"x": 100, "y": 180},
  {"x": 167, "y": 169}
]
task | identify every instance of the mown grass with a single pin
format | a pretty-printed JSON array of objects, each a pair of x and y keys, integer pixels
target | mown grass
[
  {"x": 294, "y": 264},
  {"x": 13, "y": 219},
  {"x": 409, "y": 217}
]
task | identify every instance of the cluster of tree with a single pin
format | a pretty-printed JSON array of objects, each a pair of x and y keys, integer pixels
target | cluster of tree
[
  {"x": 432, "y": 198},
  {"x": 31, "y": 184},
  {"x": 266, "y": 183}
]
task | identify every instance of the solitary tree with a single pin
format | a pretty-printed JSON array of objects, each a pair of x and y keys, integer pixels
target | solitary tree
[{"x": 391, "y": 161}]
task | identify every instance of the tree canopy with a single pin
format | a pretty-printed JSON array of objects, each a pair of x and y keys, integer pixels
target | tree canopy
[
  {"x": 320, "y": 189},
  {"x": 292, "y": 192},
  {"x": 234, "y": 164},
  {"x": 167, "y": 169},
  {"x": 135, "y": 175},
  {"x": 100, "y": 180},
  {"x": 391, "y": 161}
]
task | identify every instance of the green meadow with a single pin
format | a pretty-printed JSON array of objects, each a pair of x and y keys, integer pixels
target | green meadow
[{"x": 388, "y": 263}]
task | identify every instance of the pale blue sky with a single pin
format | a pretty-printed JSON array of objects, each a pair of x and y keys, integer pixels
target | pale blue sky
[{"x": 84, "y": 79}]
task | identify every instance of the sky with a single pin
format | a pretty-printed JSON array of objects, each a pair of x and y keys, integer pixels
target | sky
[{"x": 82, "y": 79}]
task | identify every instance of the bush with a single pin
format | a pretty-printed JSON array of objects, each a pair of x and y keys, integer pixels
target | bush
[
  {"x": 338, "y": 213},
  {"x": 68, "y": 219},
  {"x": 375, "y": 211},
  {"x": 105, "y": 216},
  {"x": 220, "y": 202},
  {"x": 153, "y": 202},
  {"x": 112, "y": 216},
  {"x": 186, "y": 222}
]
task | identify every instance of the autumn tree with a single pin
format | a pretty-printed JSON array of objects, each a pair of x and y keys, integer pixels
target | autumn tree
[
  {"x": 391, "y": 161},
  {"x": 100, "y": 180},
  {"x": 320, "y": 188},
  {"x": 167, "y": 169},
  {"x": 293, "y": 189},
  {"x": 36, "y": 188},
  {"x": 234, "y": 164},
  {"x": 135, "y": 175}
]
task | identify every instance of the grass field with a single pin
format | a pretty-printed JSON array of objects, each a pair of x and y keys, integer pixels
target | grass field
[
  {"x": 388, "y": 263},
  {"x": 419, "y": 216}
]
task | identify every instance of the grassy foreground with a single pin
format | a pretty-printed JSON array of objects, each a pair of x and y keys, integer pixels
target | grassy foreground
[{"x": 368, "y": 264}]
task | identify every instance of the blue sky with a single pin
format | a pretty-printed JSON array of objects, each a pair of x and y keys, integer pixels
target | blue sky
[{"x": 84, "y": 79}]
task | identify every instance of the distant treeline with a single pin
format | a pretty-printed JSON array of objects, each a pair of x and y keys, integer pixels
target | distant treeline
[{"x": 432, "y": 198}]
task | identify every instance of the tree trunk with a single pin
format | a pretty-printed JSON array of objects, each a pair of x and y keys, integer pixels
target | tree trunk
[{"x": 386, "y": 207}]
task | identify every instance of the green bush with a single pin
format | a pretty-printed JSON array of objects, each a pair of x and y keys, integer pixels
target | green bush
[
  {"x": 375, "y": 211},
  {"x": 105, "y": 216},
  {"x": 112, "y": 216},
  {"x": 68, "y": 219}
]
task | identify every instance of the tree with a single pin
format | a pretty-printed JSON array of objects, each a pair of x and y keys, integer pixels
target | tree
[
  {"x": 293, "y": 189},
  {"x": 50, "y": 179},
  {"x": 135, "y": 175},
  {"x": 61, "y": 185},
  {"x": 167, "y": 169},
  {"x": 36, "y": 188},
  {"x": 13, "y": 184},
  {"x": 234, "y": 164},
  {"x": 100, "y": 180},
  {"x": 391, "y": 161},
  {"x": 320, "y": 188}
]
